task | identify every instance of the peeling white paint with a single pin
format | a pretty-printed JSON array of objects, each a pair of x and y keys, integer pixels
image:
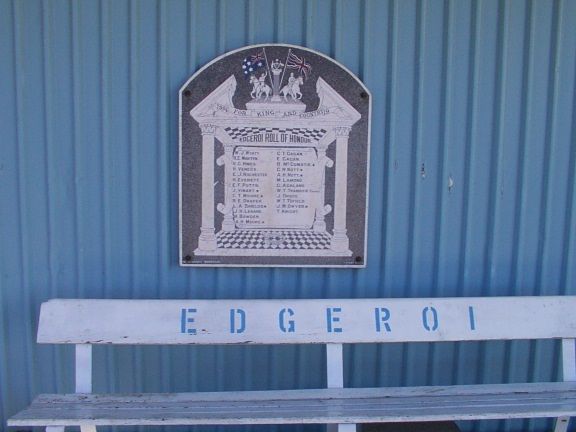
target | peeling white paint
[{"x": 450, "y": 183}]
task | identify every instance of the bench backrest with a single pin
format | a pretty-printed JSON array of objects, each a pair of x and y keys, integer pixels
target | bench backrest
[
  {"x": 305, "y": 321},
  {"x": 330, "y": 322}
]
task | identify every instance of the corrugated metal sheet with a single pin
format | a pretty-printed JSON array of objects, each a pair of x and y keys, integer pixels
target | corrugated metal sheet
[{"x": 472, "y": 178}]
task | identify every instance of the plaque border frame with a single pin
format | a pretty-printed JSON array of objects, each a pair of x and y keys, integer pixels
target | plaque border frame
[{"x": 368, "y": 144}]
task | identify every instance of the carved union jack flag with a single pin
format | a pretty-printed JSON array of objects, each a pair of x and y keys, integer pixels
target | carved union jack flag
[
  {"x": 300, "y": 64},
  {"x": 257, "y": 58}
]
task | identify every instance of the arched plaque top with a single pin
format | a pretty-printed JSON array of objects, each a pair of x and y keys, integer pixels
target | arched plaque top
[
  {"x": 289, "y": 46},
  {"x": 274, "y": 146}
]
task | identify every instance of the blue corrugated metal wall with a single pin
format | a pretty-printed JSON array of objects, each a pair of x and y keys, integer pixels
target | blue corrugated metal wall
[{"x": 471, "y": 187}]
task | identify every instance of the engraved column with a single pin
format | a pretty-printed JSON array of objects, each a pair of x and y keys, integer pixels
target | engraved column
[
  {"x": 207, "y": 239},
  {"x": 322, "y": 209},
  {"x": 340, "y": 240}
]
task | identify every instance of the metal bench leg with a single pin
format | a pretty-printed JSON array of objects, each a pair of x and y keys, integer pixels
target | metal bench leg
[
  {"x": 561, "y": 424},
  {"x": 54, "y": 428},
  {"x": 84, "y": 376},
  {"x": 335, "y": 379},
  {"x": 348, "y": 427},
  {"x": 568, "y": 374}
]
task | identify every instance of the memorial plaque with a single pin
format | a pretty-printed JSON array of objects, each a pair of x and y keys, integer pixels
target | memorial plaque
[{"x": 274, "y": 144}]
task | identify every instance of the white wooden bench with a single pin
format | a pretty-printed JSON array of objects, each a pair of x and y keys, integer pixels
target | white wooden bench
[{"x": 330, "y": 322}]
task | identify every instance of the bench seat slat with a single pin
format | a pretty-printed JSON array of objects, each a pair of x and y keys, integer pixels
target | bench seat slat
[
  {"x": 358, "y": 393},
  {"x": 434, "y": 403}
]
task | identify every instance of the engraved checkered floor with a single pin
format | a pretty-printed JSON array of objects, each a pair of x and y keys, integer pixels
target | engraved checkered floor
[{"x": 273, "y": 239}]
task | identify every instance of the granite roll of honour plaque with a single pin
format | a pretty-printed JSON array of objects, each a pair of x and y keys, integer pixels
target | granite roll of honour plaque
[{"x": 274, "y": 146}]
